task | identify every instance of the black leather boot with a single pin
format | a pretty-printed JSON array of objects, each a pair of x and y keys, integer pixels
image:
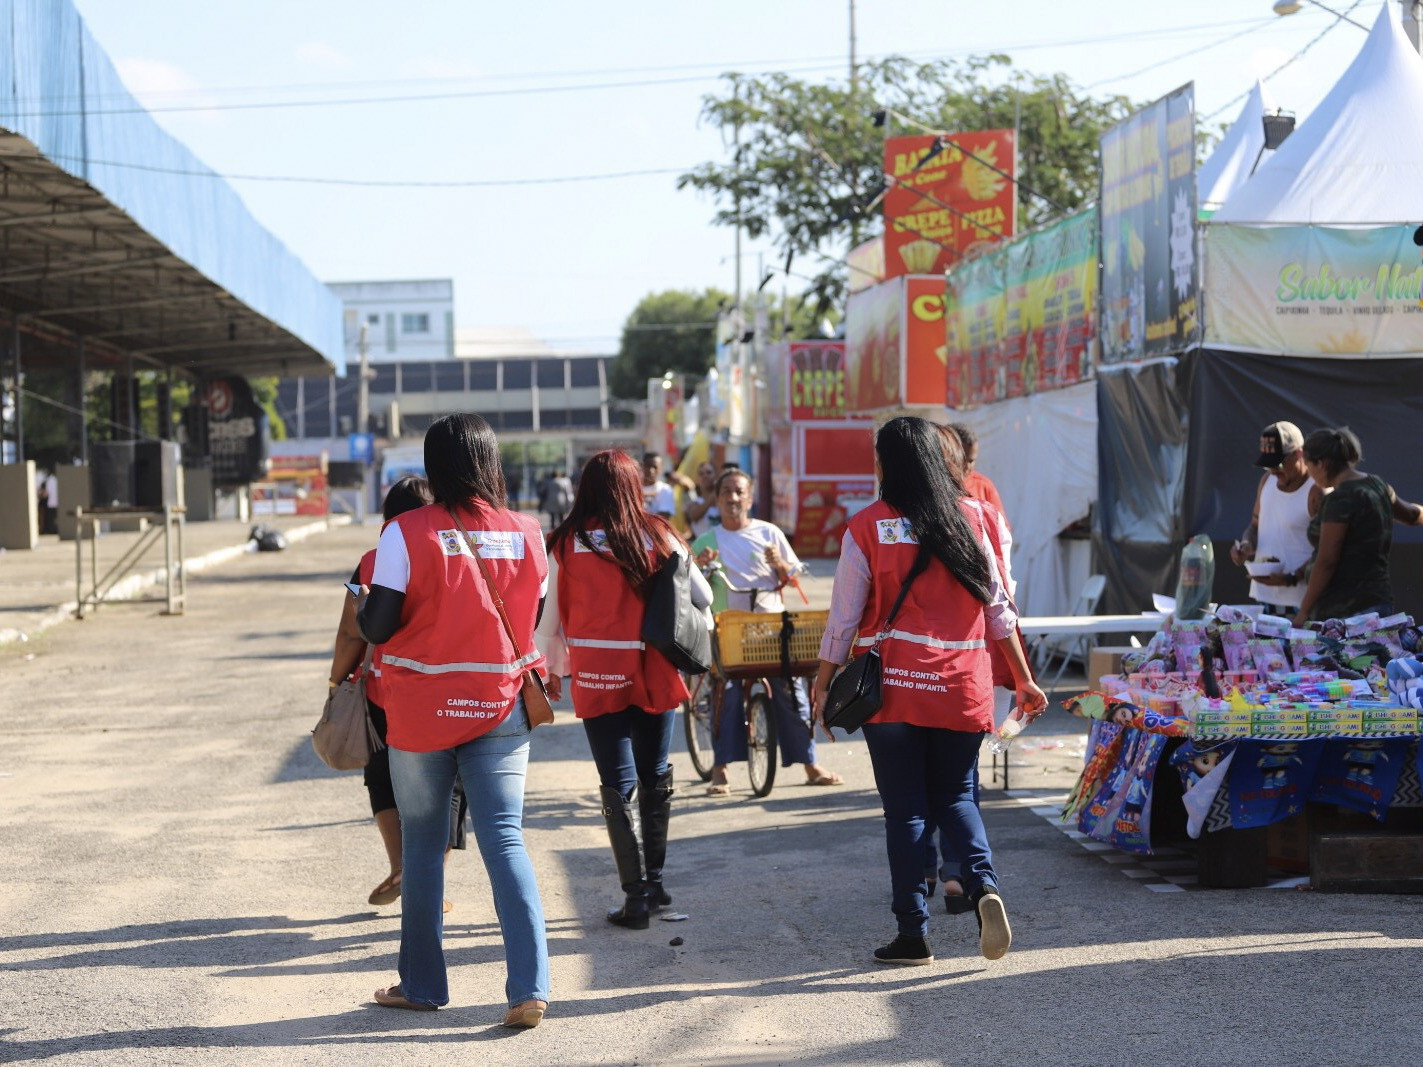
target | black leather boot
[
  {"x": 655, "y": 805},
  {"x": 623, "y": 834}
]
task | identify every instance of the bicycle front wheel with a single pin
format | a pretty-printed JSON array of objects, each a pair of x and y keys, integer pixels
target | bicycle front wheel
[
  {"x": 697, "y": 722},
  {"x": 761, "y": 743}
]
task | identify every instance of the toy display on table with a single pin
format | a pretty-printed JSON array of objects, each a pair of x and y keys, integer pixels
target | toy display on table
[{"x": 1265, "y": 717}]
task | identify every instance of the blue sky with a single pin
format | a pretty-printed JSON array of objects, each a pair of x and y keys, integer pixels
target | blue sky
[{"x": 569, "y": 261}]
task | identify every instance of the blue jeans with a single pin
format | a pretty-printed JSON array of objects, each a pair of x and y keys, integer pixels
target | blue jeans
[
  {"x": 936, "y": 844},
  {"x": 630, "y": 747},
  {"x": 793, "y": 734},
  {"x": 925, "y": 779},
  {"x": 492, "y": 768}
]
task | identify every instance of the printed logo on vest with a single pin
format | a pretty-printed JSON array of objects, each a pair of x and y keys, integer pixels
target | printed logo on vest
[
  {"x": 598, "y": 539},
  {"x": 895, "y": 532},
  {"x": 493, "y": 544}
]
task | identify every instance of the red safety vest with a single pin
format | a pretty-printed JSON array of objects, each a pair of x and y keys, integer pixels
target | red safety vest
[
  {"x": 935, "y": 658},
  {"x": 450, "y": 673},
  {"x": 364, "y": 570},
  {"x": 602, "y": 626}
]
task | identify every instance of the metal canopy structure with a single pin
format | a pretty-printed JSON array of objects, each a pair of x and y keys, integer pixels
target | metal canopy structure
[{"x": 114, "y": 234}]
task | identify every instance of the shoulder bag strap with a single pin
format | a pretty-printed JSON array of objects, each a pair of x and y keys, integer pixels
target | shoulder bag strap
[
  {"x": 488, "y": 581},
  {"x": 914, "y": 572}
]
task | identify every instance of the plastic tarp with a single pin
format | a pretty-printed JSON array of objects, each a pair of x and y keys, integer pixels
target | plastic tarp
[
  {"x": 1235, "y": 158},
  {"x": 1234, "y": 396},
  {"x": 1358, "y": 158},
  {"x": 1142, "y": 440},
  {"x": 63, "y": 95},
  {"x": 1040, "y": 452}
]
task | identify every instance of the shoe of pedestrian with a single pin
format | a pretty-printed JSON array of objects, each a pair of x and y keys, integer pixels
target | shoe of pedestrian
[
  {"x": 525, "y": 1016},
  {"x": 994, "y": 933},
  {"x": 956, "y": 902},
  {"x": 930, "y": 884},
  {"x": 657, "y": 897},
  {"x": 906, "y": 950},
  {"x": 633, "y": 915},
  {"x": 388, "y": 892},
  {"x": 394, "y": 997}
]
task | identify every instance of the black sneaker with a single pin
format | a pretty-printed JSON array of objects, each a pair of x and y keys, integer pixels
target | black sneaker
[
  {"x": 994, "y": 933},
  {"x": 904, "y": 949}
]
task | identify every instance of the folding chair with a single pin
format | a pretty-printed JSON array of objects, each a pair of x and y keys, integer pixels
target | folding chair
[{"x": 1071, "y": 648}]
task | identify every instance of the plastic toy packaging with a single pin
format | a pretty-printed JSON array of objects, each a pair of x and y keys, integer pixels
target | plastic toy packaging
[
  {"x": 1235, "y": 645},
  {"x": 1269, "y": 656},
  {"x": 1303, "y": 643}
]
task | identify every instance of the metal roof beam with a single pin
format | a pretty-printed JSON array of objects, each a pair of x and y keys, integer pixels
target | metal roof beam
[
  {"x": 130, "y": 305},
  {"x": 43, "y": 274},
  {"x": 54, "y": 216}
]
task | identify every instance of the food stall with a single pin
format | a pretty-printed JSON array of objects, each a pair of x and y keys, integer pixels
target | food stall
[
  {"x": 1243, "y": 722},
  {"x": 822, "y": 462}
]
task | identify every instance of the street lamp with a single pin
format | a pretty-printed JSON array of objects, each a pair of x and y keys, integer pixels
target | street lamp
[{"x": 1289, "y": 7}]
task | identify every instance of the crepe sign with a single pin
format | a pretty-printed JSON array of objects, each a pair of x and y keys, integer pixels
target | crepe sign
[{"x": 948, "y": 194}]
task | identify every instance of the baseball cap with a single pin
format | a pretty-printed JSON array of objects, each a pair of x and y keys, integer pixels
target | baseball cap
[{"x": 1277, "y": 441}]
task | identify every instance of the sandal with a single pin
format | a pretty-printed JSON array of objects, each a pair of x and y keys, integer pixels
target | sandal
[
  {"x": 525, "y": 1016},
  {"x": 956, "y": 902},
  {"x": 825, "y": 778},
  {"x": 719, "y": 789},
  {"x": 388, "y": 892},
  {"x": 393, "y": 997}
]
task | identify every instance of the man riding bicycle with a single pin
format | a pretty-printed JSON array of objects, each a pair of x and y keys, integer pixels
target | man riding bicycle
[{"x": 757, "y": 562}]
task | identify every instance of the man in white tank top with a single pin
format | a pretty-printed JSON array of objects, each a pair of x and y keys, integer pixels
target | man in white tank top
[{"x": 1285, "y": 501}]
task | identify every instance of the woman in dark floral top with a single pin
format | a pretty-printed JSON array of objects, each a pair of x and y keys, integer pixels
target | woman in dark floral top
[{"x": 1353, "y": 531}]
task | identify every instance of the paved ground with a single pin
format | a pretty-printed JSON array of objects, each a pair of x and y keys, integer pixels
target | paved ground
[{"x": 183, "y": 883}]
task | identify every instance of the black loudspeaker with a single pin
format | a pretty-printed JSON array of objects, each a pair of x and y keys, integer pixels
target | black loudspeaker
[
  {"x": 155, "y": 473},
  {"x": 343, "y": 475},
  {"x": 111, "y": 473}
]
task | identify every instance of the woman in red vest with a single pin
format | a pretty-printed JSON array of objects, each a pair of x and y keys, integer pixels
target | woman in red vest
[
  {"x": 451, "y": 677},
  {"x": 937, "y": 680},
  {"x": 601, "y": 559}
]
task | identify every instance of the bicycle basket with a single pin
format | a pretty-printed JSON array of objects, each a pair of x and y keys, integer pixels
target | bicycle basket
[{"x": 749, "y": 642}]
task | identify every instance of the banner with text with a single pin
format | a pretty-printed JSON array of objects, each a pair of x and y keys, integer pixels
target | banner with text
[
  {"x": 1314, "y": 290},
  {"x": 948, "y": 194},
  {"x": 1150, "y": 282},
  {"x": 1021, "y": 318},
  {"x": 816, "y": 382}
]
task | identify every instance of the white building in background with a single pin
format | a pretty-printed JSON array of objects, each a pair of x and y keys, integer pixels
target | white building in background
[{"x": 403, "y": 320}]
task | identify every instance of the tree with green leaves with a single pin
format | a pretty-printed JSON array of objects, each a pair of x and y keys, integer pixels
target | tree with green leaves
[
  {"x": 673, "y": 331},
  {"x": 808, "y": 159}
]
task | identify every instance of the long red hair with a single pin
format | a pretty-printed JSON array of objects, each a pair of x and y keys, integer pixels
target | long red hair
[{"x": 609, "y": 498}]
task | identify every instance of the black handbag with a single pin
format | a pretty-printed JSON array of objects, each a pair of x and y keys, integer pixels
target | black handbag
[
  {"x": 854, "y": 697},
  {"x": 670, "y": 623}
]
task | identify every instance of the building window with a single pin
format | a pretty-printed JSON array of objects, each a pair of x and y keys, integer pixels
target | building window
[
  {"x": 414, "y": 322},
  {"x": 584, "y": 373},
  {"x": 484, "y": 376},
  {"x": 550, "y": 374},
  {"x": 449, "y": 377},
  {"x": 517, "y": 373},
  {"x": 373, "y": 319}
]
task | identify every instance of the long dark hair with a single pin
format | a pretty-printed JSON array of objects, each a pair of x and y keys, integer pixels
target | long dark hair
[
  {"x": 609, "y": 498},
  {"x": 462, "y": 461},
  {"x": 915, "y": 481}
]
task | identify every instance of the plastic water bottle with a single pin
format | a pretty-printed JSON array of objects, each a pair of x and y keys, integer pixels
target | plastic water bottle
[{"x": 1003, "y": 736}]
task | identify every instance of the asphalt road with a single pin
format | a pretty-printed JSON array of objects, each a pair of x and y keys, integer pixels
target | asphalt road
[{"x": 182, "y": 882}]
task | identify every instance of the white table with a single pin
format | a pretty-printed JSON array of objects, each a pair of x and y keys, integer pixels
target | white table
[{"x": 1148, "y": 622}]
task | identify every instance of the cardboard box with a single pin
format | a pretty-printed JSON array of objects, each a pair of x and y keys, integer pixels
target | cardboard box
[{"x": 1105, "y": 659}]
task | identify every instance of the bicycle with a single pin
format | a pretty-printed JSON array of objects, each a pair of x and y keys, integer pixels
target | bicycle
[{"x": 746, "y": 647}]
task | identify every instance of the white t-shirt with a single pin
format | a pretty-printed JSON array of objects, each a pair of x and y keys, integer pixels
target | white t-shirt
[
  {"x": 743, "y": 555},
  {"x": 659, "y": 499},
  {"x": 711, "y": 517}
]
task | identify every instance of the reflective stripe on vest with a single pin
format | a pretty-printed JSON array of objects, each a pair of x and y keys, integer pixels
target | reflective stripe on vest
[
  {"x": 595, "y": 642},
  {"x": 921, "y": 639},
  {"x": 458, "y": 668}
]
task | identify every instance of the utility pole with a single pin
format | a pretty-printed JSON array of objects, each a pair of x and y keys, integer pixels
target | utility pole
[
  {"x": 854, "y": 73},
  {"x": 363, "y": 395}
]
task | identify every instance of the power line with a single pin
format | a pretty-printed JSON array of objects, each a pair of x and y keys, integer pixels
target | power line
[
  {"x": 1183, "y": 55},
  {"x": 73, "y": 111},
  {"x": 472, "y": 183},
  {"x": 1321, "y": 35}
]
